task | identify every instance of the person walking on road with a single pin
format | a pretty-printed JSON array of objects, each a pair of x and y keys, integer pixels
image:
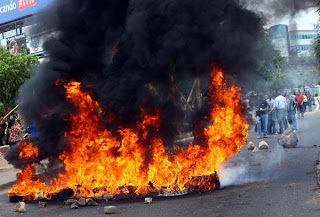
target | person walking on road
[
  {"x": 281, "y": 110},
  {"x": 310, "y": 100},
  {"x": 262, "y": 108},
  {"x": 316, "y": 102},
  {"x": 291, "y": 112},
  {"x": 299, "y": 99}
]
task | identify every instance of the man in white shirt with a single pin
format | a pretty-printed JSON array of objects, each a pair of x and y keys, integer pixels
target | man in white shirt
[
  {"x": 271, "y": 117},
  {"x": 281, "y": 110}
]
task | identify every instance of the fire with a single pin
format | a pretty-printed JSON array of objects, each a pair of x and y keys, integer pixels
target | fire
[{"x": 97, "y": 163}]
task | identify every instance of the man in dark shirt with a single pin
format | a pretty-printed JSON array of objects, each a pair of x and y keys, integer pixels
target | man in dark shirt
[{"x": 262, "y": 108}]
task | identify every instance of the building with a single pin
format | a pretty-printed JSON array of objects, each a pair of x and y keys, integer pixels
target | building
[
  {"x": 302, "y": 38},
  {"x": 300, "y": 29},
  {"x": 16, "y": 23},
  {"x": 280, "y": 37}
]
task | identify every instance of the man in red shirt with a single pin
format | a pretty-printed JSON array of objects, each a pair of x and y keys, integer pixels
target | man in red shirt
[{"x": 299, "y": 98}]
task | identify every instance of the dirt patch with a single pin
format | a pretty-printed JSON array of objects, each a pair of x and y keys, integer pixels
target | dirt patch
[{"x": 254, "y": 185}]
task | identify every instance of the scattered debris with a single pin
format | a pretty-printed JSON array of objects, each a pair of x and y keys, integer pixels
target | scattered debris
[
  {"x": 74, "y": 206},
  {"x": 172, "y": 193},
  {"x": 82, "y": 201},
  {"x": 288, "y": 139},
  {"x": 69, "y": 202},
  {"x": 108, "y": 196},
  {"x": 263, "y": 145},
  {"x": 42, "y": 204},
  {"x": 98, "y": 199},
  {"x": 250, "y": 146},
  {"x": 91, "y": 202},
  {"x": 255, "y": 149},
  {"x": 20, "y": 207},
  {"x": 318, "y": 172},
  {"x": 148, "y": 200},
  {"x": 110, "y": 209}
]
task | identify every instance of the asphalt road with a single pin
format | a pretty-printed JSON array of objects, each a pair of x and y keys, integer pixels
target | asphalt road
[{"x": 277, "y": 182}]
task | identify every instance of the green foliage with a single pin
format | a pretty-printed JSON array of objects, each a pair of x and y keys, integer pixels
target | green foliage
[
  {"x": 271, "y": 64},
  {"x": 14, "y": 70}
]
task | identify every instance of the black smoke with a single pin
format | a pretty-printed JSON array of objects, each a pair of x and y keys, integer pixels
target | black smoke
[
  {"x": 274, "y": 9},
  {"x": 118, "y": 48}
]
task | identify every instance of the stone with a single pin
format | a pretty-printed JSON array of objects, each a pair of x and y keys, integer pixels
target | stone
[
  {"x": 288, "y": 139},
  {"x": 110, "y": 209},
  {"x": 42, "y": 204},
  {"x": 148, "y": 200},
  {"x": 69, "y": 202},
  {"x": 250, "y": 146},
  {"x": 91, "y": 202},
  {"x": 255, "y": 149},
  {"x": 98, "y": 199},
  {"x": 20, "y": 207},
  {"x": 74, "y": 206},
  {"x": 108, "y": 196},
  {"x": 263, "y": 145},
  {"x": 82, "y": 201}
]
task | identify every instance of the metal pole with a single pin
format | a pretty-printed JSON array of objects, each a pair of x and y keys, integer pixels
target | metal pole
[{"x": 11, "y": 111}]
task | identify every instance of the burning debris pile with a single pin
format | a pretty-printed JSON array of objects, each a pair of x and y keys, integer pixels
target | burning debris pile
[{"x": 101, "y": 129}]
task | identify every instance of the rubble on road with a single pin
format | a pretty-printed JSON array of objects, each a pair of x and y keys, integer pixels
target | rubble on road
[
  {"x": 318, "y": 171},
  {"x": 263, "y": 145},
  {"x": 69, "y": 202},
  {"x": 148, "y": 200},
  {"x": 82, "y": 201},
  {"x": 110, "y": 209},
  {"x": 108, "y": 197},
  {"x": 20, "y": 207},
  {"x": 250, "y": 146},
  {"x": 288, "y": 139},
  {"x": 98, "y": 199},
  {"x": 74, "y": 206},
  {"x": 255, "y": 149},
  {"x": 42, "y": 204},
  {"x": 91, "y": 202}
]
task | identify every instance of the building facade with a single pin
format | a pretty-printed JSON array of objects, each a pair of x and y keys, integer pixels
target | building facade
[
  {"x": 17, "y": 19},
  {"x": 302, "y": 38},
  {"x": 280, "y": 37}
]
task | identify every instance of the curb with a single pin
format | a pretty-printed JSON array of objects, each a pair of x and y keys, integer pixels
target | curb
[
  {"x": 7, "y": 185},
  {"x": 11, "y": 179},
  {"x": 4, "y": 169}
]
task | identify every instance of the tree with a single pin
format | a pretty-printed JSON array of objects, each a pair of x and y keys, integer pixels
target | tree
[
  {"x": 14, "y": 70},
  {"x": 317, "y": 41},
  {"x": 270, "y": 70}
]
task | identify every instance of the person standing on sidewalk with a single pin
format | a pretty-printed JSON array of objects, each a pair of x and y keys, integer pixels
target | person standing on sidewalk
[
  {"x": 291, "y": 112},
  {"x": 281, "y": 108},
  {"x": 299, "y": 99},
  {"x": 262, "y": 108},
  {"x": 310, "y": 100}
]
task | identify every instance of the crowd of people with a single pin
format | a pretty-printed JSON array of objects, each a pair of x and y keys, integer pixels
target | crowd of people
[{"x": 282, "y": 108}]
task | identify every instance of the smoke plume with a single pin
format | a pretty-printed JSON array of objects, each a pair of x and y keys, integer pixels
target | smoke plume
[{"x": 117, "y": 48}]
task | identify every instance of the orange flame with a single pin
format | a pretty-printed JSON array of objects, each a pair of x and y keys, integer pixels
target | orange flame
[
  {"x": 96, "y": 163},
  {"x": 27, "y": 150}
]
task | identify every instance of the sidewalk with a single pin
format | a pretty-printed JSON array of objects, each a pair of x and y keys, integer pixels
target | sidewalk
[{"x": 7, "y": 171}]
